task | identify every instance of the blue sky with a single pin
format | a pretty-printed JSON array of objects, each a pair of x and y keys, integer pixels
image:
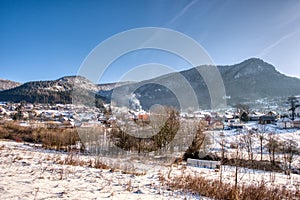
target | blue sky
[{"x": 48, "y": 39}]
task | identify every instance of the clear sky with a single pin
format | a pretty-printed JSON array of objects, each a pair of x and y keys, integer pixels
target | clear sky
[{"x": 48, "y": 39}]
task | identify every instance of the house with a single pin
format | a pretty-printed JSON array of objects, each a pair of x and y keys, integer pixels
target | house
[
  {"x": 272, "y": 113},
  {"x": 266, "y": 119},
  {"x": 296, "y": 123},
  {"x": 254, "y": 116},
  {"x": 285, "y": 123}
]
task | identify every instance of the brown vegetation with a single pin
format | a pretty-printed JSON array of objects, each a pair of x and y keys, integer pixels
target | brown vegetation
[
  {"x": 216, "y": 190},
  {"x": 54, "y": 138}
]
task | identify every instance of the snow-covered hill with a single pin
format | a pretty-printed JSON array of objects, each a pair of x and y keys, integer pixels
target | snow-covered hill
[{"x": 7, "y": 84}]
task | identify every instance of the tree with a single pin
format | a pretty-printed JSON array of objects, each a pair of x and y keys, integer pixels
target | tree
[
  {"x": 222, "y": 144},
  {"x": 243, "y": 111},
  {"x": 261, "y": 134},
  {"x": 163, "y": 132},
  {"x": 19, "y": 111},
  {"x": 294, "y": 104},
  {"x": 168, "y": 130},
  {"x": 247, "y": 141},
  {"x": 273, "y": 146},
  {"x": 288, "y": 148},
  {"x": 236, "y": 162},
  {"x": 242, "y": 108},
  {"x": 197, "y": 142},
  {"x": 244, "y": 117}
]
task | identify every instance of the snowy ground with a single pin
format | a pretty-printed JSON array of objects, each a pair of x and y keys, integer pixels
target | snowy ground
[
  {"x": 234, "y": 136},
  {"x": 28, "y": 172},
  {"x": 32, "y": 173}
]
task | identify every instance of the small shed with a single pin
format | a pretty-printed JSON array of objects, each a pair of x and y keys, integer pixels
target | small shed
[{"x": 266, "y": 119}]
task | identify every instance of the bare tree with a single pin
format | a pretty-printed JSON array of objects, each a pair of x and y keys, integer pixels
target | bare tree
[
  {"x": 247, "y": 141},
  {"x": 294, "y": 104},
  {"x": 222, "y": 144},
  {"x": 288, "y": 148},
  {"x": 236, "y": 162},
  {"x": 273, "y": 146},
  {"x": 261, "y": 134},
  {"x": 242, "y": 108},
  {"x": 243, "y": 111}
]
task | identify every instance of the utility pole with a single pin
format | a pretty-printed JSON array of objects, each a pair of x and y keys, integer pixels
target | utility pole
[{"x": 294, "y": 104}]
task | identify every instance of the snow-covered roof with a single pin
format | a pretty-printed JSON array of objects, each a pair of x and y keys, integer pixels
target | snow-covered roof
[
  {"x": 285, "y": 120},
  {"x": 297, "y": 120},
  {"x": 229, "y": 116}
]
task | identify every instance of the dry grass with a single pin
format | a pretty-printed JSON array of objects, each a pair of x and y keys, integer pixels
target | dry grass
[
  {"x": 13, "y": 131},
  {"x": 214, "y": 189},
  {"x": 98, "y": 164},
  {"x": 54, "y": 138},
  {"x": 134, "y": 173},
  {"x": 58, "y": 139},
  {"x": 72, "y": 159},
  {"x": 75, "y": 160}
]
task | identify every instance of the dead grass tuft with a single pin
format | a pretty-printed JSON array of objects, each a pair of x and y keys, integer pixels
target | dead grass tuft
[
  {"x": 72, "y": 159},
  {"x": 216, "y": 190}
]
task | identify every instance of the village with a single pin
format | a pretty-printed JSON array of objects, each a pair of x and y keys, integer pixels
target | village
[
  {"x": 222, "y": 128},
  {"x": 69, "y": 115}
]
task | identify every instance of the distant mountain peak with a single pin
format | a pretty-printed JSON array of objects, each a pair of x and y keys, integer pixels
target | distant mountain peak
[
  {"x": 253, "y": 59},
  {"x": 256, "y": 63},
  {"x": 7, "y": 84},
  {"x": 73, "y": 78},
  {"x": 251, "y": 67}
]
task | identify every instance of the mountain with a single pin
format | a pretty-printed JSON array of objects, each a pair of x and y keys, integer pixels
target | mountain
[
  {"x": 249, "y": 80},
  {"x": 7, "y": 84},
  {"x": 57, "y": 91},
  {"x": 61, "y": 90},
  {"x": 254, "y": 79},
  {"x": 110, "y": 86}
]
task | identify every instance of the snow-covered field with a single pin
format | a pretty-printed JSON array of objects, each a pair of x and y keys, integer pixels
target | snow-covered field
[
  {"x": 235, "y": 136},
  {"x": 29, "y": 172},
  {"x": 32, "y": 173}
]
